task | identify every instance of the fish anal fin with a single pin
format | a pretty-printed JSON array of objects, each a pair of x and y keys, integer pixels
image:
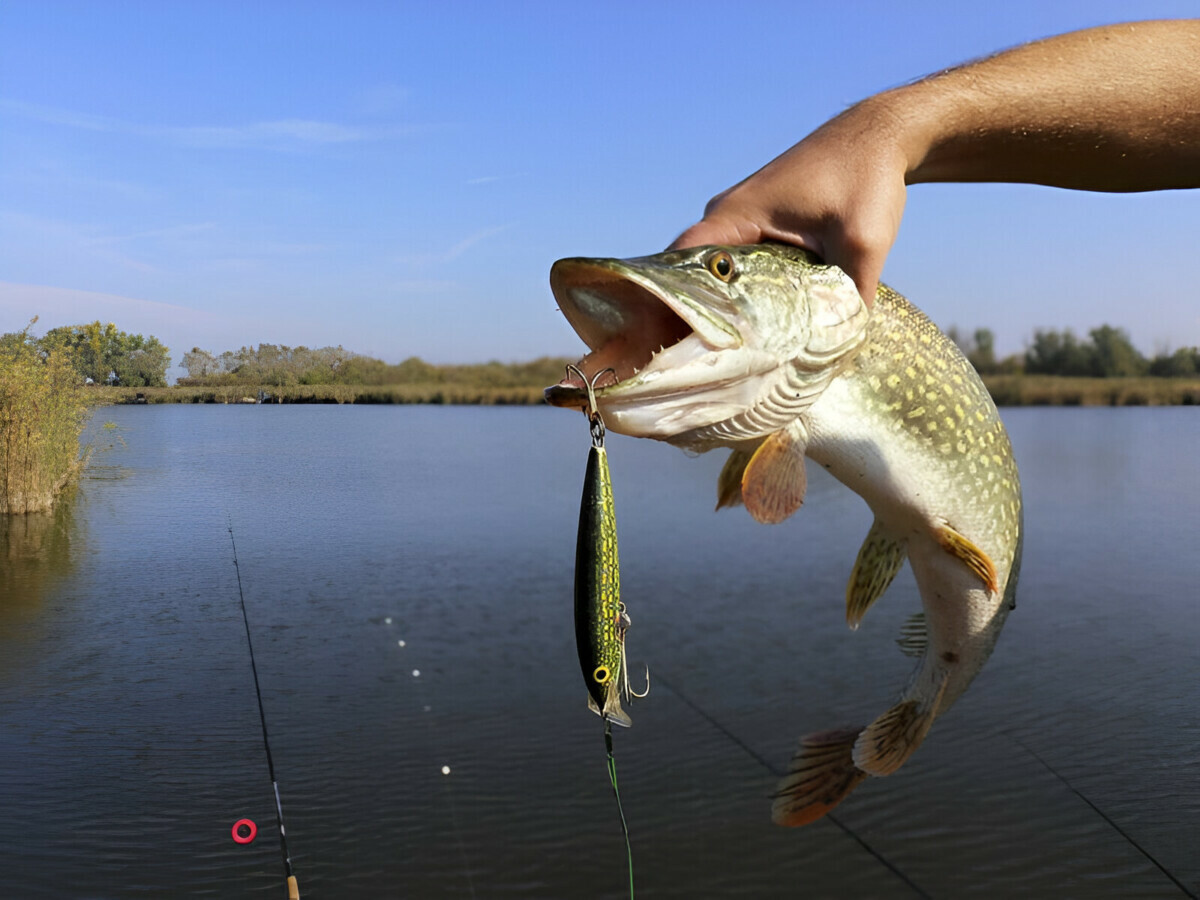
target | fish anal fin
[
  {"x": 976, "y": 560},
  {"x": 887, "y": 743},
  {"x": 774, "y": 480},
  {"x": 914, "y": 636},
  {"x": 822, "y": 775},
  {"x": 879, "y": 559},
  {"x": 729, "y": 482}
]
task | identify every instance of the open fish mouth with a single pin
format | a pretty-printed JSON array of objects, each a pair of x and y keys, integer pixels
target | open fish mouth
[{"x": 627, "y": 321}]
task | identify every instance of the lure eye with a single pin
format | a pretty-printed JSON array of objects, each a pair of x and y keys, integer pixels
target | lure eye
[
  {"x": 721, "y": 265},
  {"x": 602, "y": 674}
]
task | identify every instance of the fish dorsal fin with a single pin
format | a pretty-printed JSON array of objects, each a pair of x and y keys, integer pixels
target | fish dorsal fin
[
  {"x": 822, "y": 775},
  {"x": 774, "y": 480},
  {"x": 879, "y": 559},
  {"x": 914, "y": 636},
  {"x": 977, "y": 561},
  {"x": 885, "y": 744},
  {"x": 729, "y": 482}
]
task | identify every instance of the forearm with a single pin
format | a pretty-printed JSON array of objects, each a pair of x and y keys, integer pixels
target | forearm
[{"x": 1108, "y": 109}]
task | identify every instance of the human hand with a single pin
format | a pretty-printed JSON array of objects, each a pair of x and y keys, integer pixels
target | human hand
[{"x": 840, "y": 193}]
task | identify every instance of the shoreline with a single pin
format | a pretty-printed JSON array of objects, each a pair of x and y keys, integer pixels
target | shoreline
[{"x": 1006, "y": 390}]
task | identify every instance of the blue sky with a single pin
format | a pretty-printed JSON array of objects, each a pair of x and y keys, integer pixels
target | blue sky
[{"x": 397, "y": 178}]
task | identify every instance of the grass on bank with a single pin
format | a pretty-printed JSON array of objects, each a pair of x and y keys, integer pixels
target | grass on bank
[
  {"x": 42, "y": 413},
  {"x": 1008, "y": 390},
  {"x": 1059, "y": 390},
  {"x": 324, "y": 393}
]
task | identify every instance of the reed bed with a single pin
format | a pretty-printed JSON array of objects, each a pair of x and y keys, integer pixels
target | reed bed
[
  {"x": 325, "y": 393},
  {"x": 1058, "y": 390},
  {"x": 42, "y": 414}
]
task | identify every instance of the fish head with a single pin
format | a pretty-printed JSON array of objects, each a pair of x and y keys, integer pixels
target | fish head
[{"x": 704, "y": 342}]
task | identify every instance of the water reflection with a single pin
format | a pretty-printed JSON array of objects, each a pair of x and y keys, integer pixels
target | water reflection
[{"x": 36, "y": 553}]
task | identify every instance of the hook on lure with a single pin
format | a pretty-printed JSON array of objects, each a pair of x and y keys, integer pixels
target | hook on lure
[{"x": 593, "y": 410}]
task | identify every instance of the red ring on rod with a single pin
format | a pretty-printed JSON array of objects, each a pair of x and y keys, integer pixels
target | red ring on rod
[{"x": 248, "y": 838}]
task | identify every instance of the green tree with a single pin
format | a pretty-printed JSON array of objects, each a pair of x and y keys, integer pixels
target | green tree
[
  {"x": 1113, "y": 354},
  {"x": 199, "y": 364},
  {"x": 1182, "y": 363},
  {"x": 107, "y": 355}
]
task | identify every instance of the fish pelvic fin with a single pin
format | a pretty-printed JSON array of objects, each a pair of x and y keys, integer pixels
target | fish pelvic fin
[
  {"x": 879, "y": 559},
  {"x": 976, "y": 560},
  {"x": 821, "y": 776},
  {"x": 729, "y": 482},
  {"x": 774, "y": 480},
  {"x": 887, "y": 743},
  {"x": 612, "y": 711}
]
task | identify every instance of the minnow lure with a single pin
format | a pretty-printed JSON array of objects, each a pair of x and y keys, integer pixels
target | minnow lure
[{"x": 600, "y": 617}]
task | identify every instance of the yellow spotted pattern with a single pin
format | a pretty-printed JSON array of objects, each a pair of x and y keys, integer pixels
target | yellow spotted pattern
[{"x": 923, "y": 386}]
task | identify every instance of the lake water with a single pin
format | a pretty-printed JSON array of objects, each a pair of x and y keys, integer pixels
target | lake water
[{"x": 129, "y": 731}]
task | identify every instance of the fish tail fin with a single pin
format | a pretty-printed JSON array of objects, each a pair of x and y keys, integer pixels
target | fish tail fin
[{"x": 822, "y": 775}]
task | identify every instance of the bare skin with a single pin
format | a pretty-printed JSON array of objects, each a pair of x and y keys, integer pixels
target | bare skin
[{"x": 1115, "y": 108}]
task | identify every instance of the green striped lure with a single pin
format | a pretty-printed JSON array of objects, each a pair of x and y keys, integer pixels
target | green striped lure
[{"x": 600, "y": 617}]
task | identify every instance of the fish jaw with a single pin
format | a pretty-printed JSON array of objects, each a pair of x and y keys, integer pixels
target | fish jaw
[{"x": 688, "y": 351}]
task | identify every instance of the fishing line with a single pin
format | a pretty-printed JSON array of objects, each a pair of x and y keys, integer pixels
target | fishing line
[
  {"x": 292, "y": 885},
  {"x": 1117, "y": 828},
  {"x": 704, "y": 714},
  {"x": 612, "y": 776}
]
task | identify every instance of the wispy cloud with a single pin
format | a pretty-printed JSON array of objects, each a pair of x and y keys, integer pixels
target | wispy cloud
[
  {"x": 492, "y": 179},
  {"x": 279, "y": 134},
  {"x": 456, "y": 250}
]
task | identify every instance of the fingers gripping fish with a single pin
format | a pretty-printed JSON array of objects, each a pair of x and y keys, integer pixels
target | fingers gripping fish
[
  {"x": 600, "y": 617},
  {"x": 763, "y": 350}
]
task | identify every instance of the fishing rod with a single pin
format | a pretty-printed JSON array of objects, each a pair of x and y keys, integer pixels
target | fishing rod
[
  {"x": 292, "y": 885},
  {"x": 1098, "y": 811},
  {"x": 761, "y": 760}
]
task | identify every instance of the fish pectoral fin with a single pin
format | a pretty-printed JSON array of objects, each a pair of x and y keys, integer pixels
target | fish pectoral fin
[
  {"x": 914, "y": 636},
  {"x": 822, "y": 775},
  {"x": 887, "y": 743},
  {"x": 879, "y": 559},
  {"x": 774, "y": 480},
  {"x": 729, "y": 482},
  {"x": 976, "y": 560}
]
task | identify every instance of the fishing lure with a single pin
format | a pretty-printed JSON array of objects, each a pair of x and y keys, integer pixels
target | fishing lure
[{"x": 600, "y": 617}]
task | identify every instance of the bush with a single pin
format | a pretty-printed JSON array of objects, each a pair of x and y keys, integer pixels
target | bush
[{"x": 42, "y": 414}]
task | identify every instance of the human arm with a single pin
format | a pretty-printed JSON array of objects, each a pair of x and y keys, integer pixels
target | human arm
[{"x": 1115, "y": 108}]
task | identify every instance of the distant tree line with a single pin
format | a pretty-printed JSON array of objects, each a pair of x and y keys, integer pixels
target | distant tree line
[
  {"x": 103, "y": 354},
  {"x": 1106, "y": 352},
  {"x": 280, "y": 365}
]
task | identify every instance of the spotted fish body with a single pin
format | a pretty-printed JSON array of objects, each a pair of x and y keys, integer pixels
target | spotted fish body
[
  {"x": 763, "y": 350},
  {"x": 599, "y": 615}
]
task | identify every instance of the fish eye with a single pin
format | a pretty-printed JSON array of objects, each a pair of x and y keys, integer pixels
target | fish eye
[
  {"x": 721, "y": 265},
  {"x": 602, "y": 674}
]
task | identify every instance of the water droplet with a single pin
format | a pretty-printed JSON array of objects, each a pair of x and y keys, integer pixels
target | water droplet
[
  {"x": 416, "y": 673},
  {"x": 401, "y": 643}
]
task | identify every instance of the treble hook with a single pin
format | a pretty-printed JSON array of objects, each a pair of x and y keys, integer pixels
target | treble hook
[
  {"x": 623, "y": 624},
  {"x": 596, "y": 423}
]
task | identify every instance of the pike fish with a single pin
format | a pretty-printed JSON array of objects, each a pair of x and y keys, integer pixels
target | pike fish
[{"x": 764, "y": 350}]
